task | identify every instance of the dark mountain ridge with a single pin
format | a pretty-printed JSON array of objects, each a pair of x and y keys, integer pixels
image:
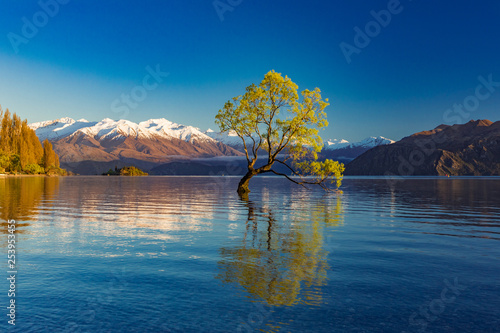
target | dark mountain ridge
[{"x": 468, "y": 149}]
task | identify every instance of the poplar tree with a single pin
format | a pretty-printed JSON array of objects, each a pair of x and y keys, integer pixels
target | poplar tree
[
  {"x": 6, "y": 132},
  {"x": 20, "y": 148},
  {"x": 48, "y": 155}
]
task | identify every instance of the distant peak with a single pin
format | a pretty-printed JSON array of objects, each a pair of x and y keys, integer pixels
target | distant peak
[
  {"x": 442, "y": 126},
  {"x": 484, "y": 122},
  {"x": 376, "y": 140},
  {"x": 480, "y": 122},
  {"x": 368, "y": 142},
  {"x": 156, "y": 120},
  {"x": 83, "y": 120},
  {"x": 65, "y": 120},
  {"x": 336, "y": 141}
]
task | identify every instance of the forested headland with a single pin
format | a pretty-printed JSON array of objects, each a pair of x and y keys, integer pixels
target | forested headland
[{"x": 21, "y": 151}]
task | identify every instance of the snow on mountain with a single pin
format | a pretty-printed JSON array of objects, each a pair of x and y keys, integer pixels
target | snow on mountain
[
  {"x": 336, "y": 144},
  {"x": 108, "y": 129},
  {"x": 375, "y": 141},
  {"x": 164, "y": 127},
  {"x": 47, "y": 123},
  {"x": 59, "y": 128},
  {"x": 229, "y": 138},
  {"x": 369, "y": 142},
  {"x": 111, "y": 129}
]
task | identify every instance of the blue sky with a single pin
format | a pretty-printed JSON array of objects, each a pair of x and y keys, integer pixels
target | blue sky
[{"x": 407, "y": 73}]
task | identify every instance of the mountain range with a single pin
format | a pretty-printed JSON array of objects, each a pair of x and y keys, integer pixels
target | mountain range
[
  {"x": 345, "y": 151},
  {"x": 466, "y": 149},
  {"x": 87, "y": 147}
]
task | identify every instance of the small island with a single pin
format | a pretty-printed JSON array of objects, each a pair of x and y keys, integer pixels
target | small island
[{"x": 125, "y": 171}]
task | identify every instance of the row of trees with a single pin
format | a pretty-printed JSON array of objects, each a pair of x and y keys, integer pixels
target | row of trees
[{"x": 20, "y": 149}]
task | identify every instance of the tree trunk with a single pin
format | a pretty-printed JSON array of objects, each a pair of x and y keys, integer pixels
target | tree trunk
[{"x": 243, "y": 185}]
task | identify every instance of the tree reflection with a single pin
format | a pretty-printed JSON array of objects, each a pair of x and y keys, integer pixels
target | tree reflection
[
  {"x": 21, "y": 196},
  {"x": 282, "y": 260}
]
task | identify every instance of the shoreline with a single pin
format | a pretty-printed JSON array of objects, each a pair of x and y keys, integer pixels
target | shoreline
[
  {"x": 23, "y": 175},
  {"x": 267, "y": 176}
]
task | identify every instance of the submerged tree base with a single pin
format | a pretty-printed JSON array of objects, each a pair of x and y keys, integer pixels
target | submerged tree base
[
  {"x": 243, "y": 193},
  {"x": 243, "y": 184},
  {"x": 243, "y": 190}
]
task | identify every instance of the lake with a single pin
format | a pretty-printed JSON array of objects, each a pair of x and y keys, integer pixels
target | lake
[{"x": 185, "y": 254}]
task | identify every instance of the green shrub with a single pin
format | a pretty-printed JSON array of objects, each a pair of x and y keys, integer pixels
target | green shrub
[
  {"x": 132, "y": 171},
  {"x": 4, "y": 160},
  {"x": 56, "y": 171},
  {"x": 15, "y": 163},
  {"x": 125, "y": 171},
  {"x": 34, "y": 169}
]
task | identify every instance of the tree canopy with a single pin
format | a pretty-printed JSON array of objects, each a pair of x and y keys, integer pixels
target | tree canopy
[
  {"x": 20, "y": 149},
  {"x": 270, "y": 117},
  {"x": 126, "y": 171}
]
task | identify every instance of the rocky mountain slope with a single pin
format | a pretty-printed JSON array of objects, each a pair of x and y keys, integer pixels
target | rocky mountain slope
[
  {"x": 87, "y": 147},
  {"x": 93, "y": 147},
  {"x": 468, "y": 149}
]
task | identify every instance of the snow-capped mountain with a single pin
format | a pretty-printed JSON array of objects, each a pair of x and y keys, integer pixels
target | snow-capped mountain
[
  {"x": 336, "y": 144},
  {"x": 87, "y": 147},
  {"x": 345, "y": 151},
  {"x": 108, "y": 129},
  {"x": 60, "y": 128},
  {"x": 229, "y": 138},
  {"x": 369, "y": 142}
]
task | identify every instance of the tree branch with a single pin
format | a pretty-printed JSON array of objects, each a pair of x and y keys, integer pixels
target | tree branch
[
  {"x": 289, "y": 167},
  {"x": 290, "y": 179},
  {"x": 303, "y": 182}
]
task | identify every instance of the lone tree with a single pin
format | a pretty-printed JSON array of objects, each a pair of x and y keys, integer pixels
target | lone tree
[{"x": 269, "y": 117}]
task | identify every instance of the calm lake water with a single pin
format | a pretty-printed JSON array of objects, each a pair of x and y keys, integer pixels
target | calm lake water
[{"x": 185, "y": 254}]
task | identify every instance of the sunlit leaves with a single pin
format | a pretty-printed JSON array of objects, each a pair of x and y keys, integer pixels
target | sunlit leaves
[
  {"x": 323, "y": 170},
  {"x": 274, "y": 118},
  {"x": 20, "y": 149}
]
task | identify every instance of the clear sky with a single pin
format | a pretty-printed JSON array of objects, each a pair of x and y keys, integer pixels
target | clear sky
[{"x": 397, "y": 73}]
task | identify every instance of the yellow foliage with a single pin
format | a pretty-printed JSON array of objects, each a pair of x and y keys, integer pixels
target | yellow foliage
[
  {"x": 272, "y": 118},
  {"x": 281, "y": 263}
]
